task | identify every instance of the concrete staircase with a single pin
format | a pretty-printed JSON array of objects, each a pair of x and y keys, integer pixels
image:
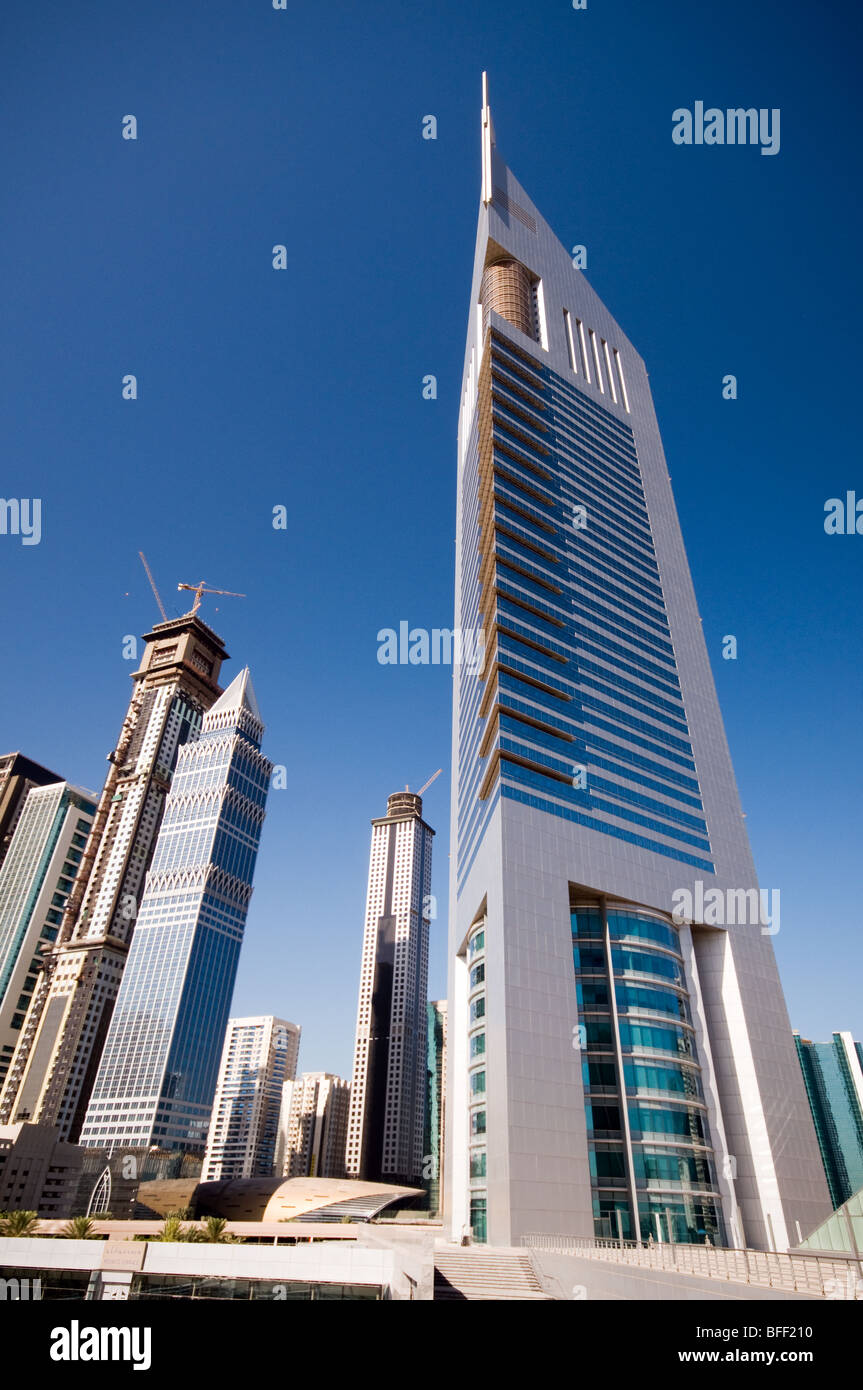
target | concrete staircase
[{"x": 479, "y": 1272}]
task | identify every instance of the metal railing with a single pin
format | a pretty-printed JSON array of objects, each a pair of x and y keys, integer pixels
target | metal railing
[{"x": 826, "y": 1275}]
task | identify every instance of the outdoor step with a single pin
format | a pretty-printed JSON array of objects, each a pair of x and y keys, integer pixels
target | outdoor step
[{"x": 485, "y": 1275}]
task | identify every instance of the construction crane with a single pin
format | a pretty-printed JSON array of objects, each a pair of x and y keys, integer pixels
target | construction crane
[
  {"x": 153, "y": 587},
  {"x": 199, "y": 589},
  {"x": 425, "y": 786}
]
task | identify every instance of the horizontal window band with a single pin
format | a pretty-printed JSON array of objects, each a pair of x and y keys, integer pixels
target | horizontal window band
[{"x": 563, "y": 813}]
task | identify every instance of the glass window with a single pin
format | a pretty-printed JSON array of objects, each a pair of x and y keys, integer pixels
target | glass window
[
  {"x": 601, "y": 1074},
  {"x": 639, "y": 962},
  {"x": 607, "y": 1163},
  {"x": 602, "y": 1119},
  {"x": 479, "y": 1218}
]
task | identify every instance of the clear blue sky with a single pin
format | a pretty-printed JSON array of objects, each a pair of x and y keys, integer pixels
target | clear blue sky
[{"x": 303, "y": 127}]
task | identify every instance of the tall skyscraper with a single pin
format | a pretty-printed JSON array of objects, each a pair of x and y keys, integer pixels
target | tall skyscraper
[
  {"x": 385, "y": 1131},
  {"x": 621, "y": 1058},
  {"x": 17, "y": 775},
  {"x": 435, "y": 1120},
  {"x": 258, "y": 1057},
  {"x": 833, "y": 1075},
  {"x": 313, "y": 1126},
  {"x": 157, "y": 1075},
  {"x": 36, "y": 878},
  {"x": 54, "y": 1066}
]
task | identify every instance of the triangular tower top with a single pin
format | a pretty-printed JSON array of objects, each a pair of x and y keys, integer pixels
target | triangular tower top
[{"x": 240, "y": 694}]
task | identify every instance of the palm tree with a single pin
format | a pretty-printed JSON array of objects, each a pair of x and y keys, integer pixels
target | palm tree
[
  {"x": 80, "y": 1228},
  {"x": 214, "y": 1232},
  {"x": 172, "y": 1229},
  {"x": 19, "y": 1223}
]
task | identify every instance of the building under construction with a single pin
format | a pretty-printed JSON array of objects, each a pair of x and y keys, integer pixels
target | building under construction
[{"x": 53, "y": 1069}]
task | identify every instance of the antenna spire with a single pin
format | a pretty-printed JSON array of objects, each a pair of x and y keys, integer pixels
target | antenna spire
[{"x": 487, "y": 143}]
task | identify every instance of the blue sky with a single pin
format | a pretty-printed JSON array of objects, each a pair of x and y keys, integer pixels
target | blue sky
[{"x": 303, "y": 388}]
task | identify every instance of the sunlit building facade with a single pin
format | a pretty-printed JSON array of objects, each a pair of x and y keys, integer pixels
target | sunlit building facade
[
  {"x": 53, "y": 1068},
  {"x": 259, "y": 1055},
  {"x": 617, "y": 1066},
  {"x": 313, "y": 1126},
  {"x": 157, "y": 1076}
]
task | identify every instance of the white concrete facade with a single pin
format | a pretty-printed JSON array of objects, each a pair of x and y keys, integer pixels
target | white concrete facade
[
  {"x": 313, "y": 1126},
  {"x": 259, "y": 1055}
]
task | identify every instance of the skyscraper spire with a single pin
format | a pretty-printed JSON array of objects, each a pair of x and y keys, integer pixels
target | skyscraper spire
[{"x": 487, "y": 143}]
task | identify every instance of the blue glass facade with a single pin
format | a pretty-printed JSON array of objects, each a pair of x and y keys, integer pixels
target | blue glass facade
[
  {"x": 36, "y": 878},
  {"x": 158, "y": 1072},
  {"x": 578, "y": 711},
  {"x": 833, "y": 1075},
  {"x": 649, "y": 1140}
]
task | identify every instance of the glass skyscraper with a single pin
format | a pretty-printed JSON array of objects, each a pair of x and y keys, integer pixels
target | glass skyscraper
[
  {"x": 618, "y": 1065},
  {"x": 433, "y": 1141},
  {"x": 36, "y": 878},
  {"x": 18, "y": 775},
  {"x": 157, "y": 1075},
  {"x": 833, "y": 1073},
  {"x": 51, "y": 1075}
]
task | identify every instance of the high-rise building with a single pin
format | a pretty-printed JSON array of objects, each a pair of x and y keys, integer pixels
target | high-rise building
[
  {"x": 259, "y": 1055},
  {"x": 621, "y": 1060},
  {"x": 38, "y": 1171},
  {"x": 36, "y": 878},
  {"x": 313, "y": 1127},
  {"x": 435, "y": 1128},
  {"x": 157, "y": 1075},
  {"x": 17, "y": 776},
  {"x": 833, "y": 1075},
  {"x": 54, "y": 1066},
  {"x": 385, "y": 1130}
]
